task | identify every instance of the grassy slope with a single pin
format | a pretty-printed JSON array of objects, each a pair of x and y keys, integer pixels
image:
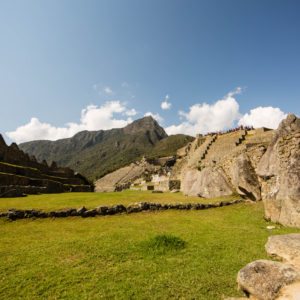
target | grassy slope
[
  {"x": 104, "y": 257},
  {"x": 92, "y": 200},
  {"x": 169, "y": 146}
]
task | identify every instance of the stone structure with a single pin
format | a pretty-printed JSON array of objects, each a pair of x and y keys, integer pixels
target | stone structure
[
  {"x": 219, "y": 165},
  {"x": 21, "y": 174},
  {"x": 254, "y": 163},
  {"x": 141, "y": 175},
  {"x": 257, "y": 164}
]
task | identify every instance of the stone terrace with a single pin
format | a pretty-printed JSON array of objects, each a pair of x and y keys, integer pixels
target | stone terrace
[
  {"x": 222, "y": 145},
  {"x": 21, "y": 174}
]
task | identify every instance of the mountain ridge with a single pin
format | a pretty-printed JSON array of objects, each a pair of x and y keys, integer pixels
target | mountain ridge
[{"x": 96, "y": 153}]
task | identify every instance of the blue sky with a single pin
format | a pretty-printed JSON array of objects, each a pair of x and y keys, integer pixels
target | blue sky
[{"x": 58, "y": 58}]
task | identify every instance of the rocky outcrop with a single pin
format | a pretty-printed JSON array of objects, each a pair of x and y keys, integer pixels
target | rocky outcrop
[
  {"x": 263, "y": 279},
  {"x": 208, "y": 183},
  {"x": 21, "y": 174},
  {"x": 244, "y": 178},
  {"x": 273, "y": 280},
  {"x": 286, "y": 248},
  {"x": 279, "y": 170}
]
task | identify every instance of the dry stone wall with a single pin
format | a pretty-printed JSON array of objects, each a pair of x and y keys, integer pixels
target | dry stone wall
[{"x": 16, "y": 214}]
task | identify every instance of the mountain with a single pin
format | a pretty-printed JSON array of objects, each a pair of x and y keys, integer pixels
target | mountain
[{"x": 96, "y": 153}]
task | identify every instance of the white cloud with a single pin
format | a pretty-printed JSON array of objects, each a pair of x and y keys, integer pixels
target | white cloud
[
  {"x": 165, "y": 105},
  {"x": 92, "y": 118},
  {"x": 108, "y": 91},
  {"x": 131, "y": 112},
  {"x": 269, "y": 117},
  {"x": 203, "y": 118},
  {"x": 103, "y": 90},
  {"x": 157, "y": 117}
]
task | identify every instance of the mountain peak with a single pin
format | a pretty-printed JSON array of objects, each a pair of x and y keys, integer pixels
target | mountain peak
[{"x": 145, "y": 124}]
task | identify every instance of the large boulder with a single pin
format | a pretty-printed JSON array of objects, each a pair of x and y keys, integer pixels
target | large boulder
[
  {"x": 189, "y": 177},
  {"x": 264, "y": 279},
  {"x": 207, "y": 183},
  {"x": 285, "y": 247},
  {"x": 279, "y": 170},
  {"x": 244, "y": 178}
]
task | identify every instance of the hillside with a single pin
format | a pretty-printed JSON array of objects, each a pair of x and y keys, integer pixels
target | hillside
[{"x": 96, "y": 153}]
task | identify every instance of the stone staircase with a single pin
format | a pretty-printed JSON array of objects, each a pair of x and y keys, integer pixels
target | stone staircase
[
  {"x": 221, "y": 147},
  {"x": 198, "y": 149},
  {"x": 208, "y": 144},
  {"x": 241, "y": 137}
]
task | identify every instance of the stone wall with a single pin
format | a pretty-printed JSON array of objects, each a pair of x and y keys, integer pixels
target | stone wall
[{"x": 15, "y": 214}]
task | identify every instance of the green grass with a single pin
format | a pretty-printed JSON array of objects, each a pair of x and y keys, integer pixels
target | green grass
[
  {"x": 18, "y": 166},
  {"x": 163, "y": 243},
  {"x": 49, "y": 202},
  {"x": 200, "y": 253}
]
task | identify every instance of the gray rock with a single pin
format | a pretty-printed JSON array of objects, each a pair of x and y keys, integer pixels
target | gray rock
[
  {"x": 244, "y": 178},
  {"x": 279, "y": 169},
  {"x": 15, "y": 214},
  {"x": 89, "y": 213},
  {"x": 116, "y": 209},
  {"x": 208, "y": 183},
  {"x": 144, "y": 205},
  {"x": 285, "y": 247},
  {"x": 263, "y": 279},
  {"x": 81, "y": 210},
  {"x": 133, "y": 208},
  {"x": 102, "y": 210}
]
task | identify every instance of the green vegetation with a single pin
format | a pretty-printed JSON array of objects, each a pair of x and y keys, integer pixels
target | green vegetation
[
  {"x": 17, "y": 166},
  {"x": 169, "y": 146},
  {"x": 49, "y": 202},
  {"x": 163, "y": 243},
  {"x": 199, "y": 252},
  {"x": 96, "y": 153}
]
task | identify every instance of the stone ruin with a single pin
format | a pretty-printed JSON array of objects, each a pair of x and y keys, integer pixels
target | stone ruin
[
  {"x": 21, "y": 174},
  {"x": 143, "y": 175},
  {"x": 257, "y": 164}
]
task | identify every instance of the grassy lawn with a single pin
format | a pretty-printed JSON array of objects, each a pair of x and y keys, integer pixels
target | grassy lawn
[
  {"x": 120, "y": 257},
  {"x": 49, "y": 202}
]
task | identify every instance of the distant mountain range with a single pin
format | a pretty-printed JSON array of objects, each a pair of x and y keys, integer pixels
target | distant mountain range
[{"x": 96, "y": 153}]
